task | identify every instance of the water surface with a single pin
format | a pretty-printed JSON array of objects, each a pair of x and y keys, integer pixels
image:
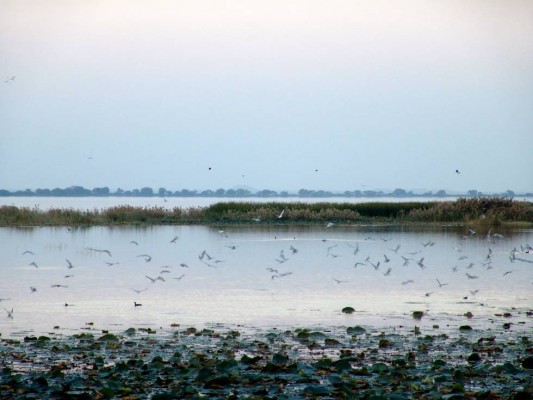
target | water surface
[{"x": 257, "y": 276}]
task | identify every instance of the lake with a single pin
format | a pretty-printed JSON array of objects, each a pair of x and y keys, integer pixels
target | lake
[{"x": 261, "y": 276}]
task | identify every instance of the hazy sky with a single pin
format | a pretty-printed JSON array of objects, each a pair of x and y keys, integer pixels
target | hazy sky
[{"x": 372, "y": 94}]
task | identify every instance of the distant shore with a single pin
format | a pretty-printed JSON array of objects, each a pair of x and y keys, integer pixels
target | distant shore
[{"x": 488, "y": 211}]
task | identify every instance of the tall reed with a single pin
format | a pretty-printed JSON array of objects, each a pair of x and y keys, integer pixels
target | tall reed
[{"x": 472, "y": 211}]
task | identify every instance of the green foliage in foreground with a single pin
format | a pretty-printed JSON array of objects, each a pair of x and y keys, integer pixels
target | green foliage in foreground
[
  {"x": 473, "y": 211},
  {"x": 338, "y": 363}
]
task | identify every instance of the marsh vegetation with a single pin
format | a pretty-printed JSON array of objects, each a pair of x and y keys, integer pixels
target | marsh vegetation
[{"x": 484, "y": 211}]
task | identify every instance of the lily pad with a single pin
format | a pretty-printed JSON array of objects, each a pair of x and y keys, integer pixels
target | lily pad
[
  {"x": 418, "y": 314},
  {"x": 356, "y": 330}
]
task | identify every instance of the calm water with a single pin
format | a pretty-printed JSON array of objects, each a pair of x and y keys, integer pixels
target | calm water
[{"x": 234, "y": 286}]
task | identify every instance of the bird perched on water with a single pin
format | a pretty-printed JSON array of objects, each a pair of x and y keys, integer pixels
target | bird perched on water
[
  {"x": 457, "y": 171},
  {"x": 135, "y": 304}
]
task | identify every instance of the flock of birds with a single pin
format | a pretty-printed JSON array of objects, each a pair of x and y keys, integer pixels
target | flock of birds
[{"x": 381, "y": 255}]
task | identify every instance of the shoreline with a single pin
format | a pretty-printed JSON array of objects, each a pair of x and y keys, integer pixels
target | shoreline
[{"x": 478, "y": 212}]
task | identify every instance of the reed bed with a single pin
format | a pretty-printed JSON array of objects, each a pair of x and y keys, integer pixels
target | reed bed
[{"x": 477, "y": 211}]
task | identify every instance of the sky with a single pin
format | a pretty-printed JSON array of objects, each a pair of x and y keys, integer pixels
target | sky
[{"x": 283, "y": 95}]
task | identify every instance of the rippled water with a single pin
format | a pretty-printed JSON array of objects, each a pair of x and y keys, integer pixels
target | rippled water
[{"x": 234, "y": 286}]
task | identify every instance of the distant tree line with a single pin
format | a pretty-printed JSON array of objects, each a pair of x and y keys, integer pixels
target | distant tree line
[{"x": 80, "y": 191}]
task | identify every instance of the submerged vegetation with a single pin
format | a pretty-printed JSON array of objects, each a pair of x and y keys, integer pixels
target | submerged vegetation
[
  {"x": 475, "y": 211},
  {"x": 463, "y": 210}
]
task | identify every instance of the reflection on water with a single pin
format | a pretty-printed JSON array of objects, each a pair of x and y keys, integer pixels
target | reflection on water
[{"x": 256, "y": 275}]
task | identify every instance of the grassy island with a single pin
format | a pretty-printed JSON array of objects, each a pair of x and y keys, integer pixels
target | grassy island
[{"x": 474, "y": 211}]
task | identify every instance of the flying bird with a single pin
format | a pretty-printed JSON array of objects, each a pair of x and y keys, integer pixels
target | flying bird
[
  {"x": 441, "y": 284},
  {"x": 69, "y": 266},
  {"x": 34, "y": 264},
  {"x": 281, "y": 214},
  {"x": 101, "y": 251},
  {"x": 339, "y": 281},
  {"x": 147, "y": 257},
  {"x": 396, "y": 249}
]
